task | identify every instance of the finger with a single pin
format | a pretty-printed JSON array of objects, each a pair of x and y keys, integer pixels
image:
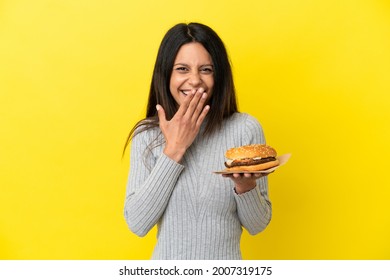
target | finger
[
  {"x": 202, "y": 116},
  {"x": 200, "y": 107},
  {"x": 186, "y": 103},
  {"x": 247, "y": 175},
  {"x": 161, "y": 114},
  {"x": 194, "y": 103}
]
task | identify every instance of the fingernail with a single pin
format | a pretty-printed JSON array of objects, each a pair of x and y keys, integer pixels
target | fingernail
[
  {"x": 204, "y": 95},
  {"x": 157, "y": 107}
]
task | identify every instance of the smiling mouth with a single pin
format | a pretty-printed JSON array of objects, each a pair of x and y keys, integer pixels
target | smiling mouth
[{"x": 187, "y": 92}]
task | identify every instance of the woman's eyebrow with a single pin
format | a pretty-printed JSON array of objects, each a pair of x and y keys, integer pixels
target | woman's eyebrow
[{"x": 185, "y": 64}]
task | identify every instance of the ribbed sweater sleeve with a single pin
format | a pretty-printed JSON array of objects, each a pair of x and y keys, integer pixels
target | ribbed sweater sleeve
[
  {"x": 148, "y": 192},
  {"x": 254, "y": 207}
]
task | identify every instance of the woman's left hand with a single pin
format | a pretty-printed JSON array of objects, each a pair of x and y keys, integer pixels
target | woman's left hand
[{"x": 244, "y": 181}]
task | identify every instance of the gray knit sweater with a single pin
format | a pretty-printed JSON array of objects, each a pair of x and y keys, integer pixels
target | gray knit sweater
[{"x": 197, "y": 213}]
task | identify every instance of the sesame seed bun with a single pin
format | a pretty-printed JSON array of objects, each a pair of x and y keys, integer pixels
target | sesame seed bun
[{"x": 251, "y": 151}]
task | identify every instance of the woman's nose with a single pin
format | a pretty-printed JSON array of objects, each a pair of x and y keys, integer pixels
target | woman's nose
[{"x": 195, "y": 79}]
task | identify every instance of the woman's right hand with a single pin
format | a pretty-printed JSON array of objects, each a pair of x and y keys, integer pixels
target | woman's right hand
[{"x": 181, "y": 131}]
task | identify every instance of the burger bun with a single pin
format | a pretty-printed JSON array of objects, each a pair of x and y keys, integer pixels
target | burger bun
[{"x": 251, "y": 151}]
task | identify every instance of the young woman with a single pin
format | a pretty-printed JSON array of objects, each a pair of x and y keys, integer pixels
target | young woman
[{"x": 191, "y": 120}]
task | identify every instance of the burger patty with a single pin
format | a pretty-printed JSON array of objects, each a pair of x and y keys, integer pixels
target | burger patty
[{"x": 249, "y": 161}]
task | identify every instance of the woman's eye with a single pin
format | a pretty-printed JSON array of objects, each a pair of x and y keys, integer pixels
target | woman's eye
[
  {"x": 207, "y": 70},
  {"x": 181, "y": 69}
]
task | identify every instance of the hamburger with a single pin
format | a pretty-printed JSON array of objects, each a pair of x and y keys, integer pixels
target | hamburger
[{"x": 255, "y": 157}]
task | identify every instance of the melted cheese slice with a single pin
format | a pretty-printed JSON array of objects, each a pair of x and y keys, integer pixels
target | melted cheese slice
[{"x": 229, "y": 161}]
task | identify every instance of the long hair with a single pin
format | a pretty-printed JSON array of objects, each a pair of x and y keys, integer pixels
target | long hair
[{"x": 222, "y": 102}]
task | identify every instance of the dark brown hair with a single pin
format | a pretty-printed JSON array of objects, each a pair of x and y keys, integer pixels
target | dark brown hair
[{"x": 223, "y": 100}]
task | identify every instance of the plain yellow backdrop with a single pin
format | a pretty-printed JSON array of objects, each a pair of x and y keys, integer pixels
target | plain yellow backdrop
[{"x": 74, "y": 78}]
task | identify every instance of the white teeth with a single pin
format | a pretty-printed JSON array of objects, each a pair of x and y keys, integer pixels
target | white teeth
[{"x": 187, "y": 92}]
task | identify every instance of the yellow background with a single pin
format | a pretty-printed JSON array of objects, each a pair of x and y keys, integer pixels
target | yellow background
[{"x": 74, "y": 78}]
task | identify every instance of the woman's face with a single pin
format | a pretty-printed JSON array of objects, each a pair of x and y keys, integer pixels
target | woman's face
[{"x": 193, "y": 69}]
